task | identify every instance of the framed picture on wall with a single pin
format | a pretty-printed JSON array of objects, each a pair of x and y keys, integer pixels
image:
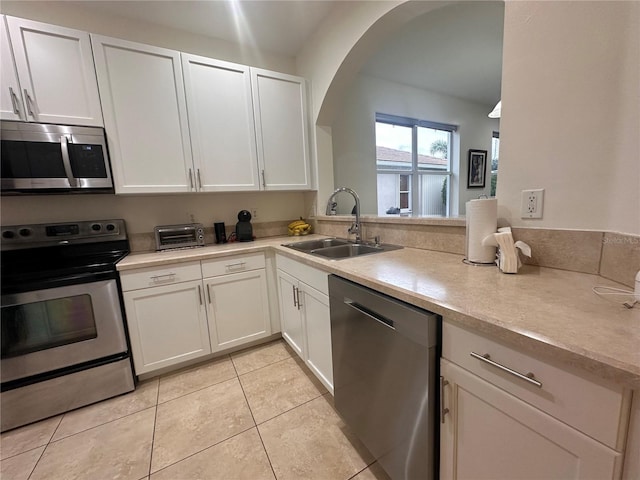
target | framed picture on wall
[{"x": 477, "y": 168}]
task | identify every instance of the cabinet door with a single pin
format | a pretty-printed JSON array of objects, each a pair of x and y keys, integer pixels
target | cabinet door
[
  {"x": 221, "y": 124},
  {"x": 280, "y": 109},
  {"x": 11, "y": 105},
  {"x": 167, "y": 325},
  {"x": 56, "y": 72},
  {"x": 290, "y": 316},
  {"x": 238, "y": 308},
  {"x": 489, "y": 434},
  {"x": 145, "y": 116},
  {"x": 317, "y": 324}
]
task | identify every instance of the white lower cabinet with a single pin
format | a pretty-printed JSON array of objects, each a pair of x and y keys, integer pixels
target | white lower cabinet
[
  {"x": 167, "y": 325},
  {"x": 290, "y": 317},
  {"x": 237, "y": 303},
  {"x": 495, "y": 425},
  {"x": 305, "y": 317},
  {"x": 174, "y": 316},
  {"x": 491, "y": 434}
]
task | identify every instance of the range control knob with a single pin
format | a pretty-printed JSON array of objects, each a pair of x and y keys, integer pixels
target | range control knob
[
  {"x": 8, "y": 234},
  {"x": 111, "y": 227},
  {"x": 96, "y": 227},
  {"x": 24, "y": 232}
]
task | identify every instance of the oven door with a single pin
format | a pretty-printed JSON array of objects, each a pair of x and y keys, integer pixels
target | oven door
[{"x": 54, "y": 328}]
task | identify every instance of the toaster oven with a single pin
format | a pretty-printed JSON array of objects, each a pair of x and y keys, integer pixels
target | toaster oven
[{"x": 179, "y": 236}]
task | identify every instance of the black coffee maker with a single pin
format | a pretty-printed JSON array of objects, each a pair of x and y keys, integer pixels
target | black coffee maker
[{"x": 244, "y": 230}]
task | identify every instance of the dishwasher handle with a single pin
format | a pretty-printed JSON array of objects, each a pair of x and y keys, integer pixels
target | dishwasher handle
[{"x": 365, "y": 311}]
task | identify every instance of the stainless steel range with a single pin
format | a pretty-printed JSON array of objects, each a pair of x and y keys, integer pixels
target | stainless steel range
[{"x": 63, "y": 336}]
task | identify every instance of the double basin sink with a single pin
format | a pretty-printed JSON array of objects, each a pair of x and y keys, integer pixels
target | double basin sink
[{"x": 339, "y": 248}]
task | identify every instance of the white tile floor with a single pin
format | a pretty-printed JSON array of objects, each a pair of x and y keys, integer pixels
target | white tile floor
[{"x": 255, "y": 414}]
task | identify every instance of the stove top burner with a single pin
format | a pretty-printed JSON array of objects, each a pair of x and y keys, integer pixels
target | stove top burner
[{"x": 54, "y": 251}]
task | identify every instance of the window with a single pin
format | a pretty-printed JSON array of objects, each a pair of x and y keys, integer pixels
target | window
[
  {"x": 495, "y": 154},
  {"x": 413, "y": 161}
]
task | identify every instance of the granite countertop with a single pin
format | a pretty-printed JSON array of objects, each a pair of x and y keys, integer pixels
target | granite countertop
[{"x": 548, "y": 312}]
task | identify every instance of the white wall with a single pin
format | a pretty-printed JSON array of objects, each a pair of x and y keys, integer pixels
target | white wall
[
  {"x": 570, "y": 93},
  {"x": 354, "y": 152},
  {"x": 571, "y": 113},
  {"x": 143, "y": 212}
]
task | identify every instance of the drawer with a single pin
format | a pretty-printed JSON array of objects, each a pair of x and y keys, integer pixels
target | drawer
[
  {"x": 313, "y": 277},
  {"x": 156, "y": 276},
  {"x": 591, "y": 405},
  {"x": 234, "y": 264}
]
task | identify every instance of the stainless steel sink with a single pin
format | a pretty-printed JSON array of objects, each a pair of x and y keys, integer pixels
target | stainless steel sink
[
  {"x": 338, "y": 248},
  {"x": 308, "y": 245}
]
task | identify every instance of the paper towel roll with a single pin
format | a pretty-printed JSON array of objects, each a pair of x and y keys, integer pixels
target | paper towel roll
[{"x": 482, "y": 220}]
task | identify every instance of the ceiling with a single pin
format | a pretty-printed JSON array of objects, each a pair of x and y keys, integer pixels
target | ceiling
[
  {"x": 276, "y": 26},
  {"x": 455, "y": 50}
]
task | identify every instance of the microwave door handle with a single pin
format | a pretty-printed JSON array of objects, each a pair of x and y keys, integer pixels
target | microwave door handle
[{"x": 64, "y": 145}]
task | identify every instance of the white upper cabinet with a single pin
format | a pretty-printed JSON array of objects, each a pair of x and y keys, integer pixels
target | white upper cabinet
[
  {"x": 56, "y": 74},
  {"x": 221, "y": 124},
  {"x": 281, "y": 130},
  {"x": 11, "y": 104},
  {"x": 145, "y": 115}
]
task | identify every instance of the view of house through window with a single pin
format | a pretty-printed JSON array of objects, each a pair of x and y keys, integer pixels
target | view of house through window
[
  {"x": 495, "y": 154},
  {"x": 413, "y": 159}
]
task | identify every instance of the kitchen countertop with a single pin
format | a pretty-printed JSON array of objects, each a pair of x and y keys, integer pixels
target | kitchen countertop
[{"x": 548, "y": 312}]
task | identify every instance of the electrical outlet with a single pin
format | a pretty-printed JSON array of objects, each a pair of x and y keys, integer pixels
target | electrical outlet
[
  {"x": 532, "y": 203},
  {"x": 254, "y": 213}
]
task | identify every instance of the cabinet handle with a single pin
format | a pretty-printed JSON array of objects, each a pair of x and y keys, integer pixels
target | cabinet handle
[
  {"x": 200, "y": 294},
  {"x": 236, "y": 266},
  {"x": 443, "y": 411},
  {"x": 209, "y": 294},
  {"x": 29, "y": 103},
  {"x": 166, "y": 276},
  {"x": 298, "y": 297},
  {"x": 190, "y": 180},
  {"x": 264, "y": 183},
  {"x": 529, "y": 377},
  {"x": 199, "y": 180},
  {"x": 14, "y": 101},
  {"x": 66, "y": 162},
  {"x": 293, "y": 294}
]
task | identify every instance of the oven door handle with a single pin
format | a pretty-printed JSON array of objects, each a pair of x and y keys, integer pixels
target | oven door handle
[{"x": 66, "y": 161}]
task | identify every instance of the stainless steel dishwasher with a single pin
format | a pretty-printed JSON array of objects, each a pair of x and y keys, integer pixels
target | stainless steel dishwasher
[{"x": 385, "y": 355}]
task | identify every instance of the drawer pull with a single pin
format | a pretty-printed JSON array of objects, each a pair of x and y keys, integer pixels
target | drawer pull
[
  {"x": 529, "y": 377},
  {"x": 163, "y": 278},
  {"x": 236, "y": 266}
]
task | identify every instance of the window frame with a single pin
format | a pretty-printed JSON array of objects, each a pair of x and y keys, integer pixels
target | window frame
[{"x": 415, "y": 172}]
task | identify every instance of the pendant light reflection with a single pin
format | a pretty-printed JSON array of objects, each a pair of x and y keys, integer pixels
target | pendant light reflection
[{"x": 495, "y": 113}]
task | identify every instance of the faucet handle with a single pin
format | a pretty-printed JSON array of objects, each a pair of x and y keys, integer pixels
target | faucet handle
[{"x": 376, "y": 240}]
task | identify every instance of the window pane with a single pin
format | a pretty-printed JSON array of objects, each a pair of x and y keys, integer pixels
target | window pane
[
  {"x": 404, "y": 201},
  {"x": 404, "y": 183},
  {"x": 393, "y": 147},
  {"x": 433, "y": 194},
  {"x": 434, "y": 149},
  {"x": 495, "y": 153}
]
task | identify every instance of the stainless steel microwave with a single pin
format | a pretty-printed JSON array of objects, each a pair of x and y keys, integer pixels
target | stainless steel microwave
[{"x": 43, "y": 158}]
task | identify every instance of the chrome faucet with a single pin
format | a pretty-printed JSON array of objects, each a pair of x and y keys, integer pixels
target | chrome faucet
[{"x": 355, "y": 227}]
